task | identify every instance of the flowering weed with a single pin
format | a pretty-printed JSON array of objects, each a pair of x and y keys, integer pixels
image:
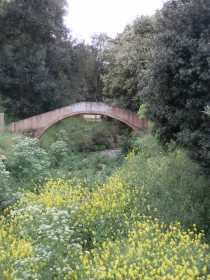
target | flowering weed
[{"x": 69, "y": 231}]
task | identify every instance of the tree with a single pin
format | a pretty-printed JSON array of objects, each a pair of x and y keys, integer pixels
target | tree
[
  {"x": 179, "y": 73},
  {"x": 95, "y": 66},
  {"x": 37, "y": 58},
  {"x": 127, "y": 59}
]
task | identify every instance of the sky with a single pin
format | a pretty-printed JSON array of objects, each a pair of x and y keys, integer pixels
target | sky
[{"x": 86, "y": 17}]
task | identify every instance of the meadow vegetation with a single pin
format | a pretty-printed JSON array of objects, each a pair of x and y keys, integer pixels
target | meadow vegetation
[
  {"x": 71, "y": 231},
  {"x": 175, "y": 184},
  {"x": 66, "y": 151},
  {"x": 144, "y": 217}
]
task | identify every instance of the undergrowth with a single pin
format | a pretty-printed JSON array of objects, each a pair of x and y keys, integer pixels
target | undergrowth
[
  {"x": 146, "y": 217},
  {"x": 175, "y": 184},
  {"x": 84, "y": 136}
]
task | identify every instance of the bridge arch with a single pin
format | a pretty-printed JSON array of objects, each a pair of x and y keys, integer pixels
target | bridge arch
[{"x": 41, "y": 123}]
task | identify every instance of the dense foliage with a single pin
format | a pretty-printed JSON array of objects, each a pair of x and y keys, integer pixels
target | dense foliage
[
  {"x": 69, "y": 231},
  {"x": 96, "y": 65},
  {"x": 163, "y": 62},
  {"x": 29, "y": 31},
  {"x": 179, "y": 73},
  {"x": 41, "y": 66},
  {"x": 126, "y": 60}
]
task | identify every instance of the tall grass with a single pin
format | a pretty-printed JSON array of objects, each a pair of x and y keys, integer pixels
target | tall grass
[{"x": 174, "y": 183}]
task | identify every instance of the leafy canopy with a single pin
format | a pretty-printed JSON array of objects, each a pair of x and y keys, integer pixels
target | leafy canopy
[{"x": 179, "y": 76}]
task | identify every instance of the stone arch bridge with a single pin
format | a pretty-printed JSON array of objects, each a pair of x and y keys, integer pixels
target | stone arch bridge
[{"x": 38, "y": 125}]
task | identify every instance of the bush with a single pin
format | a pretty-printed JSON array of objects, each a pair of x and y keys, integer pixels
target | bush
[
  {"x": 62, "y": 135},
  {"x": 57, "y": 152},
  {"x": 28, "y": 161}
]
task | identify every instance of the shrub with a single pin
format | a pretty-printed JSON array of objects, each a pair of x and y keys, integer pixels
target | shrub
[
  {"x": 57, "y": 152},
  {"x": 28, "y": 161},
  {"x": 62, "y": 135}
]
